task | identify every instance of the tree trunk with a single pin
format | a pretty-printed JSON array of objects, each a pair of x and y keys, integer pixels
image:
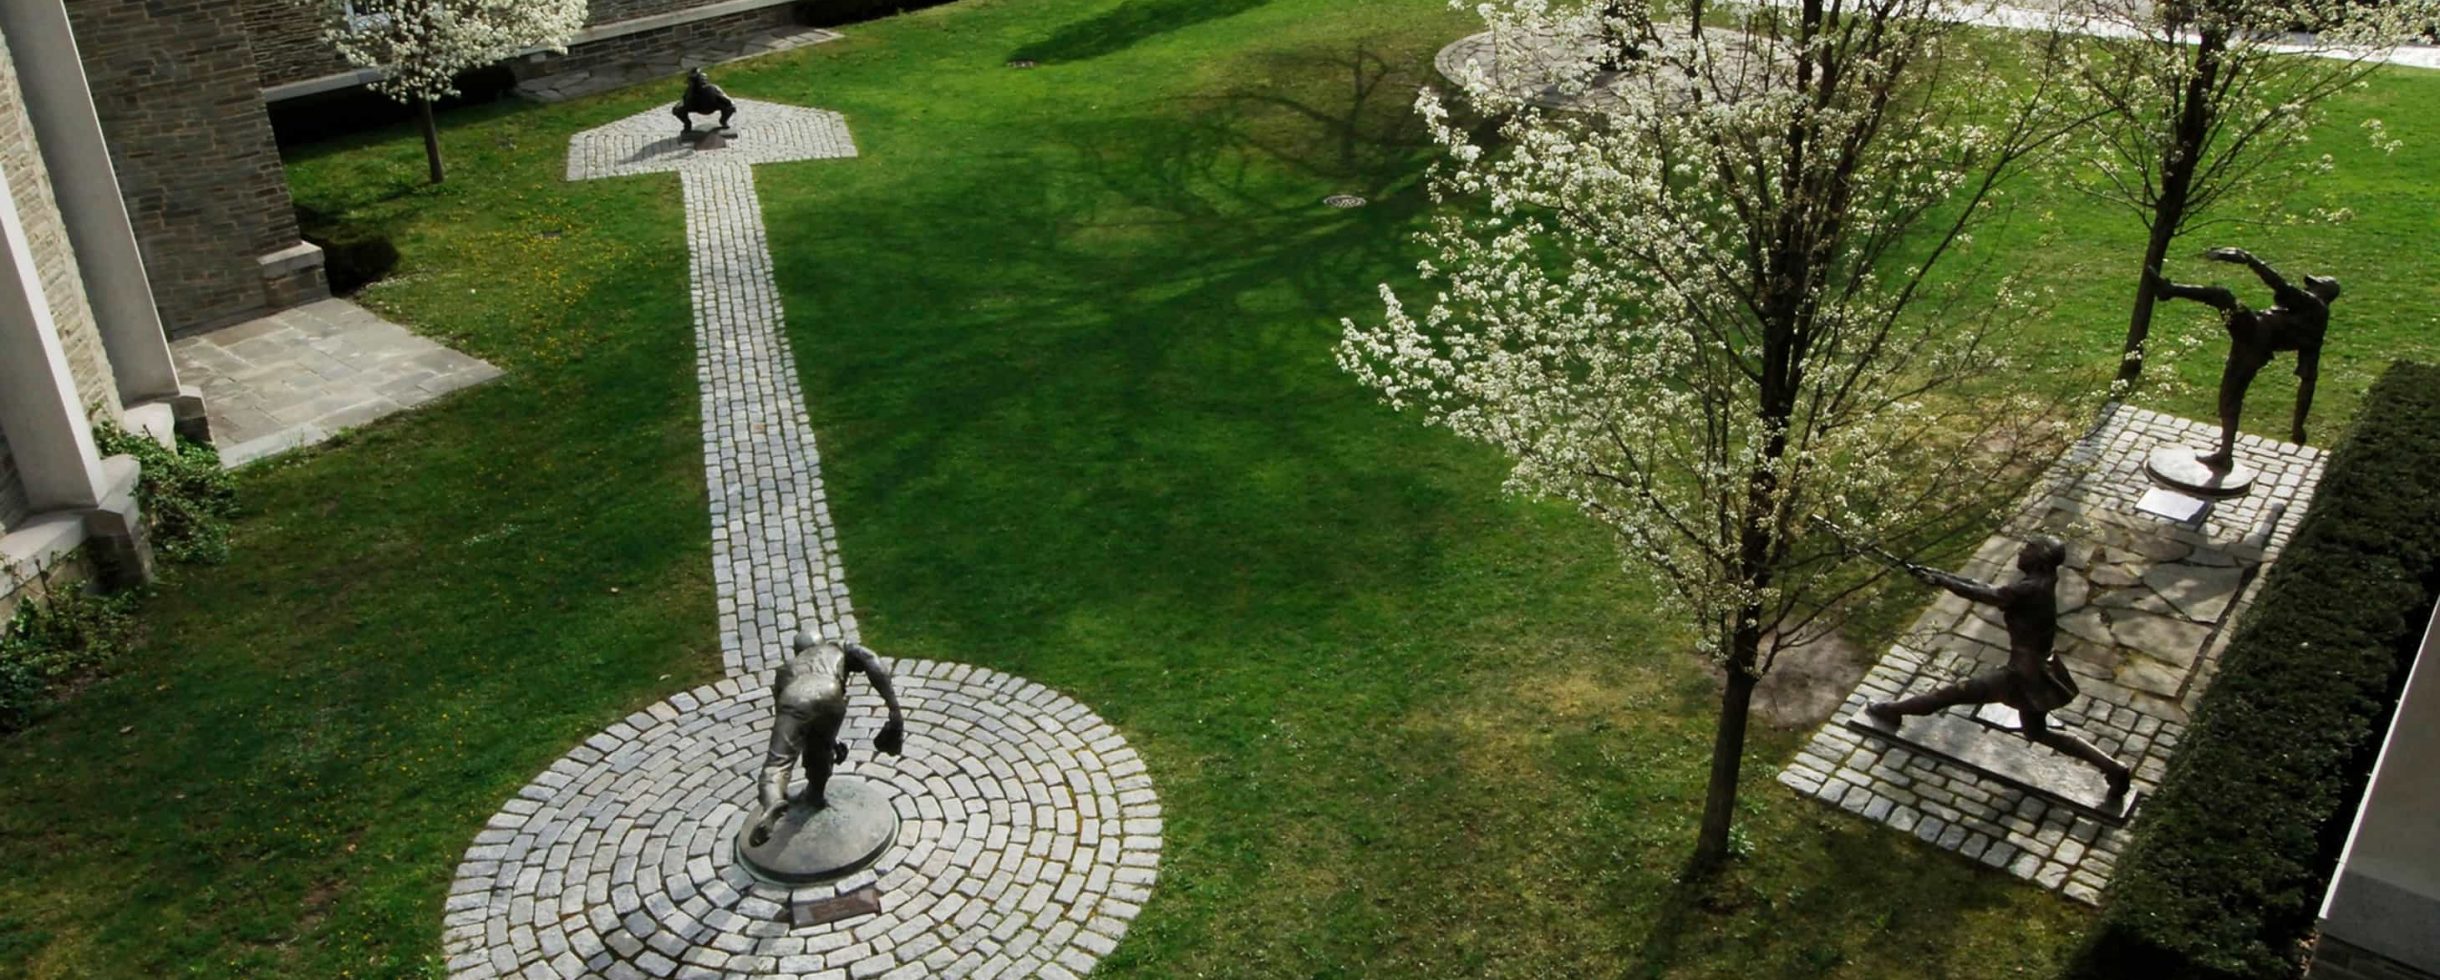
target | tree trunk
[
  {"x": 2179, "y": 161},
  {"x": 2139, "y": 327},
  {"x": 432, "y": 137},
  {"x": 1727, "y": 755}
]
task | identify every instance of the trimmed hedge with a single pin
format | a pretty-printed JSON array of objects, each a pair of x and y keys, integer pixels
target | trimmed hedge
[{"x": 2236, "y": 850}]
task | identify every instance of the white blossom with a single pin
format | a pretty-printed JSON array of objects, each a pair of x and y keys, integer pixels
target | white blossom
[{"x": 421, "y": 46}]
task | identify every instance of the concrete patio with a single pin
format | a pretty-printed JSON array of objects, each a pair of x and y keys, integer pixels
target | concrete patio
[{"x": 302, "y": 375}]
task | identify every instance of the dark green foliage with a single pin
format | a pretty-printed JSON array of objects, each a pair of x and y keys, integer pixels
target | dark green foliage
[
  {"x": 186, "y": 497},
  {"x": 52, "y": 639},
  {"x": 2238, "y": 845}
]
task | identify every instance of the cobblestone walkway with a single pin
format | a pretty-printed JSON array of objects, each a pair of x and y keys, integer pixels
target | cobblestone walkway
[
  {"x": 1030, "y": 834},
  {"x": 2145, "y": 608}
]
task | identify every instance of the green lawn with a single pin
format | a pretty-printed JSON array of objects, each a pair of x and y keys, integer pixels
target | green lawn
[{"x": 1066, "y": 335}]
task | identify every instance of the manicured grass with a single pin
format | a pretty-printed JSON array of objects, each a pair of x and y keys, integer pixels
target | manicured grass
[{"x": 1066, "y": 336}]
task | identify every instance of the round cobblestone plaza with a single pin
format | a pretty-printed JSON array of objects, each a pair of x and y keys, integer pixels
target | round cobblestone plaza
[{"x": 1028, "y": 840}]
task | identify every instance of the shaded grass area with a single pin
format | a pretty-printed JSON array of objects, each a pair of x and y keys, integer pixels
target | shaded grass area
[{"x": 1066, "y": 336}]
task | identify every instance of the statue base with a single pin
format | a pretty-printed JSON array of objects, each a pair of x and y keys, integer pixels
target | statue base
[
  {"x": 809, "y": 845},
  {"x": 2007, "y": 756},
  {"x": 2177, "y": 468}
]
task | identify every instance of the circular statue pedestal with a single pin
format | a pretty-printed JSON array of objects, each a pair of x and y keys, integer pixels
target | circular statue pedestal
[
  {"x": 809, "y": 845},
  {"x": 2177, "y": 468}
]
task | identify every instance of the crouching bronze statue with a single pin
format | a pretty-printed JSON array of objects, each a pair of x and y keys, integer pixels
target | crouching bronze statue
[{"x": 702, "y": 99}]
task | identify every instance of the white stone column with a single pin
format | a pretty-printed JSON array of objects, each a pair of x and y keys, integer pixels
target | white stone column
[
  {"x": 52, "y": 77},
  {"x": 39, "y": 407},
  {"x": 63, "y": 473}
]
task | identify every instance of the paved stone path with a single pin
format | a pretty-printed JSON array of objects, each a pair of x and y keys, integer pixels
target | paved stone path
[
  {"x": 1030, "y": 834},
  {"x": 2145, "y": 607},
  {"x": 578, "y": 83},
  {"x": 300, "y": 376}
]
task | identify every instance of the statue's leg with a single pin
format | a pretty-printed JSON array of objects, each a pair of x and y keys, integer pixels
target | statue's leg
[
  {"x": 821, "y": 738},
  {"x": 686, "y": 123},
  {"x": 2037, "y": 729},
  {"x": 727, "y": 112},
  {"x": 2217, "y": 297},
  {"x": 2237, "y": 376},
  {"x": 1982, "y": 689}
]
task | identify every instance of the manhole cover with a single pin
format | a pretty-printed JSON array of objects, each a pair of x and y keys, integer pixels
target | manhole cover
[
  {"x": 1343, "y": 201},
  {"x": 1023, "y": 63}
]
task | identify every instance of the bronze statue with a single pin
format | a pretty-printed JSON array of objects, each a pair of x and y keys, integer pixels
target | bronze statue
[
  {"x": 809, "y": 701},
  {"x": 702, "y": 99},
  {"x": 2035, "y": 682},
  {"x": 2295, "y": 323}
]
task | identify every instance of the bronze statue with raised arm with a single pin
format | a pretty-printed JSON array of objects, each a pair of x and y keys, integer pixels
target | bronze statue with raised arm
[
  {"x": 809, "y": 704},
  {"x": 2035, "y": 682},
  {"x": 2295, "y": 322}
]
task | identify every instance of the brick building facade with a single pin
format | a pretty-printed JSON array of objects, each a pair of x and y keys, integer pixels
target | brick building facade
[{"x": 177, "y": 86}]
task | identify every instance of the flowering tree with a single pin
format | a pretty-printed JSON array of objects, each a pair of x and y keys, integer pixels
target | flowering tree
[
  {"x": 1707, "y": 314},
  {"x": 2203, "y": 99},
  {"x": 421, "y": 46}
]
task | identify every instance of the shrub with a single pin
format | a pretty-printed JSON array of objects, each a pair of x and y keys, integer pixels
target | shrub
[
  {"x": 55, "y": 638},
  {"x": 185, "y": 496},
  {"x": 2236, "y": 849}
]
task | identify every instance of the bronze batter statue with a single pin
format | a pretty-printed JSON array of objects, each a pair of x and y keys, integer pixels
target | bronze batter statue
[
  {"x": 2295, "y": 323},
  {"x": 809, "y": 702},
  {"x": 2035, "y": 682},
  {"x": 702, "y": 99}
]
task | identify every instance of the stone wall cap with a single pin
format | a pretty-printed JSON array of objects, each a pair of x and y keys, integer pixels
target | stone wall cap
[{"x": 295, "y": 258}]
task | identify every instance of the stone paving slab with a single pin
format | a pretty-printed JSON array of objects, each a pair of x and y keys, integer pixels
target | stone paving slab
[
  {"x": 302, "y": 375},
  {"x": 577, "y": 83},
  {"x": 2144, "y": 611}
]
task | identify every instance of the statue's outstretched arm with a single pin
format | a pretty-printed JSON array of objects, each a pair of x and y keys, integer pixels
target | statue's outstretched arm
[
  {"x": 893, "y": 732},
  {"x": 2262, "y": 270},
  {"x": 1970, "y": 588}
]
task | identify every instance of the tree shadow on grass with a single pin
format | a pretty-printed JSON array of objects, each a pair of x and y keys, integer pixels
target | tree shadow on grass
[{"x": 1130, "y": 24}]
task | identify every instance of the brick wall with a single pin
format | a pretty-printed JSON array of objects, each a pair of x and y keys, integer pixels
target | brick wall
[
  {"x": 287, "y": 42},
  {"x": 63, "y": 288},
  {"x": 666, "y": 47},
  {"x": 2335, "y": 959},
  {"x": 288, "y": 45},
  {"x": 181, "y": 104},
  {"x": 613, "y": 11}
]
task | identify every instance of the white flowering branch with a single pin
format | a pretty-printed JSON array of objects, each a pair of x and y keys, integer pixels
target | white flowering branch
[{"x": 420, "y": 47}]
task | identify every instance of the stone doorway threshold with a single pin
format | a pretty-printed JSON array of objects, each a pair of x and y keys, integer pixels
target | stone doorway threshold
[{"x": 302, "y": 375}]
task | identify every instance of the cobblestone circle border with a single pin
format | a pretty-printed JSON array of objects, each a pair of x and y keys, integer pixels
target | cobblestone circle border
[{"x": 1029, "y": 839}]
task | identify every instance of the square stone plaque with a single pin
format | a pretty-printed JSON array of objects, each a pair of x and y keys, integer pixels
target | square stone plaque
[
  {"x": 823, "y": 911},
  {"x": 2006, "y": 756},
  {"x": 2173, "y": 506}
]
